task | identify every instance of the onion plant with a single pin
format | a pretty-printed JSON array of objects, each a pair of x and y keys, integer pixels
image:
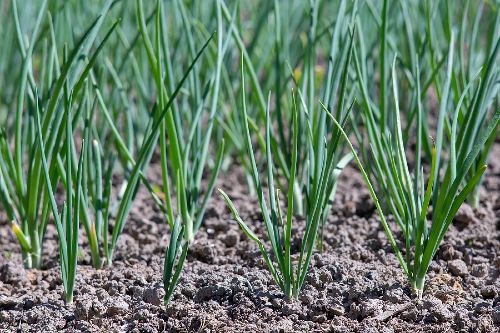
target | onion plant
[
  {"x": 21, "y": 189},
  {"x": 188, "y": 160},
  {"x": 329, "y": 83},
  {"x": 184, "y": 159},
  {"x": 475, "y": 86},
  {"x": 278, "y": 227},
  {"x": 67, "y": 221},
  {"x": 144, "y": 155},
  {"x": 446, "y": 188}
]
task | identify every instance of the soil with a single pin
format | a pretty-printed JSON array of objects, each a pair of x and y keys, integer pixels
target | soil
[{"x": 354, "y": 285}]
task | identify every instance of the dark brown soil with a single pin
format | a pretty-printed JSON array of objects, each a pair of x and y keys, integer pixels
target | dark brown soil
[{"x": 355, "y": 285}]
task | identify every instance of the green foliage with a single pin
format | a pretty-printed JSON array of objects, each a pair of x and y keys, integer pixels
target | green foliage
[
  {"x": 278, "y": 227},
  {"x": 421, "y": 237},
  {"x": 133, "y": 82}
]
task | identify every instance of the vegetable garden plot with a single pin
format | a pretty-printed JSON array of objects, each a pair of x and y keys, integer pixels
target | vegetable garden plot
[{"x": 361, "y": 193}]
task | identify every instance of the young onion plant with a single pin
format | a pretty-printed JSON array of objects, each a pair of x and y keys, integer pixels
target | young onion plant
[
  {"x": 22, "y": 193},
  {"x": 67, "y": 221},
  {"x": 184, "y": 157},
  {"x": 279, "y": 227},
  {"x": 308, "y": 75},
  {"x": 446, "y": 188}
]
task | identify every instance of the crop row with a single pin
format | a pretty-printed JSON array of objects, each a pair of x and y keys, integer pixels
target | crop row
[{"x": 91, "y": 92}]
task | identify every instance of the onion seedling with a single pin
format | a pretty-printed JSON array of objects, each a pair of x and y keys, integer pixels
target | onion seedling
[
  {"x": 330, "y": 85},
  {"x": 21, "y": 190},
  {"x": 421, "y": 237},
  {"x": 421, "y": 32},
  {"x": 279, "y": 228},
  {"x": 190, "y": 208},
  {"x": 67, "y": 221},
  {"x": 476, "y": 110},
  {"x": 184, "y": 161}
]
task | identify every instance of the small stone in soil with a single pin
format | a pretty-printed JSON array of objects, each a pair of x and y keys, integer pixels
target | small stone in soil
[
  {"x": 371, "y": 307},
  {"x": 335, "y": 310},
  {"x": 438, "y": 311},
  {"x": 465, "y": 215},
  {"x": 447, "y": 252},
  {"x": 7, "y": 302},
  {"x": 458, "y": 267},
  {"x": 82, "y": 308},
  {"x": 319, "y": 318},
  {"x": 479, "y": 270},
  {"x": 116, "y": 307},
  {"x": 12, "y": 273},
  {"x": 231, "y": 239},
  {"x": 489, "y": 292},
  {"x": 482, "y": 308},
  {"x": 152, "y": 296}
]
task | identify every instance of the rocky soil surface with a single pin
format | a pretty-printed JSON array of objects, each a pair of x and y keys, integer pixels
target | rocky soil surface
[{"x": 354, "y": 285}]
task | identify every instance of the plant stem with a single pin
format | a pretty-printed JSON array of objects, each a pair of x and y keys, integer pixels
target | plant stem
[
  {"x": 418, "y": 286},
  {"x": 298, "y": 199},
  {"x": 68, "y": 296},
  {"x": 474, "y": 197},
  {"x": 36, "y": 250}
]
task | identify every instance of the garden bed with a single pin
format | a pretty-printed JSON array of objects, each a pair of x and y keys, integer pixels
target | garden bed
[{"x": 355, "y": 285}]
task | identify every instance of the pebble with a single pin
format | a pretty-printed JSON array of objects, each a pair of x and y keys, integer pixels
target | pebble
[
  {"x": 489, "y": 292},
  {"x": 318, "y": 260},
  {"x": 482, "y": 308},
  {"x": 371, "y": 307},
  {"x": 349, "y": 209},
  {"x": 31, "y": 317},
  {"x": 306, "y": 298},
  {"x": 447, "y": 251},
  {"x": 437, "y": 309},
  {"x": 12, "y": 273},
  {"x": 325, "y": 276},
  {"x": 28, "y": 304},
  {"x": 277, "y": 303},
  {"x": 335, "y": 309},
  {"x": 395, "y": 295},
  {"x": 116, "y": 307},
  {"x": 152, "y": 296},
  {"x": 141, "y": 314},
  {"x": 479, "y": 270},
  {"x": 112, "y": 287},
  {"x": 7, "y": 302},
  {"x": 137, "y": 292},
  {"x": 290, "y": 308},
  {"x": 319, "y": 318},
  {"x": 458, "y": 267},
  {"x": 82, "y": 308},
  {"x": 465, "y": 215},
  {"x": 231, "y": 239}
]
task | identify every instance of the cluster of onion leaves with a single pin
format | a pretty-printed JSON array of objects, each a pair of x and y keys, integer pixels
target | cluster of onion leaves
[
  {"x": 447, "y": 184},
  {"x": 279, "y": 227},
  {"x": 20, "y": 186},
  {"x": 421, "y": 33},
  {"x": 182, "y": 165},
  {"x": 67, "y": 221}
]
